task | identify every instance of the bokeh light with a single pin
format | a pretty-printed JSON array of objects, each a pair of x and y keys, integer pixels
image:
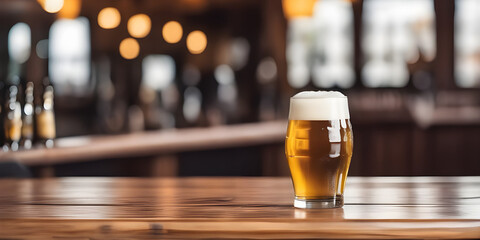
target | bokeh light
[
  {"x": 19, "y": 42},
  {"x": 158, "y": 71},
  {"x": 196, "y": 42},
  {"x": 172, "y": 32},
  {"x": 42, "y": 49},
  {"x": 298, "y": 8},
  {"x": 224, "y": 75},
  {"x": 192, "y": 104},
  {"x": 267, "y": 70},
  {"x": 71, "y": 9},
  {"x": 139, "y": 25},
  {"x": 109, "y": 18},
  {"x": 51, "y": 6},
  {"x": 129, "y": 48}
]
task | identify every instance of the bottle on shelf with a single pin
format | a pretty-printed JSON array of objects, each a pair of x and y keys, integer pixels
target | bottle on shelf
[
  {"x": 45, "y": 118},
  {"x": 28, "y": 117},
  {"x": 2, "y": 112},
  {"x": 13, "y": 120}
]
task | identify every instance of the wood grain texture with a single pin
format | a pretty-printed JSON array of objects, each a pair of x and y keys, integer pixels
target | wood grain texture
[
  {"x": 132, "y": 208},
  {"x": 88, "y": 148}
]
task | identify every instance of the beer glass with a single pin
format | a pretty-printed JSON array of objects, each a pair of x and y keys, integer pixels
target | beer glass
[{"x": 318, "y": 147}]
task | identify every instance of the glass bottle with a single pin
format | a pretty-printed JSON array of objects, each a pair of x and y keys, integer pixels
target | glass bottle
[
  {"x": 46, "y": 119},
  {"x": 13, "y": 120},
  {"x": 2, "y": 110},
  {"x": 27, "y": 126}
]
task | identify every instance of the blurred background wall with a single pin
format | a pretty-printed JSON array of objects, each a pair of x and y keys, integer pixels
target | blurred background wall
[{"x": 411, "y": 70}]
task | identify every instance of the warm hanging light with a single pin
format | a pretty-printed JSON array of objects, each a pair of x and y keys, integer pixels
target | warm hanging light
[
  {"x": 298, "y": 8},
  {"x": 51, "y": 6},
  {"x": 196, "y": 42},
  {"x": 172, "y": 32},
  {"x": 139, "y": 25},
  {"x": 108, "y": 18},
  {"x": 129, "y": 48},
  {"x": 71, "y": 9}
]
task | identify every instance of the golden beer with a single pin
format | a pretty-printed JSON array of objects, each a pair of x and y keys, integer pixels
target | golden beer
[{"x": 319, "y": 147}]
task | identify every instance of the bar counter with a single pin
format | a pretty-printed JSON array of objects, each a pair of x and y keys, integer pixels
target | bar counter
[
  {"x": 90, "y": 148},
  {"x": 236, "y": 207}
]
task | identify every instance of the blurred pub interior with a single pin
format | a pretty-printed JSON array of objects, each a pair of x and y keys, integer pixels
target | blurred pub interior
[{"x": 125, "y": 71}]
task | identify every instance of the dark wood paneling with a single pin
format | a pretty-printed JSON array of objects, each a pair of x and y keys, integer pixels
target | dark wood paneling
[
  {"x": 444, "y": 22},
  {"x": 454, "y": 150}
]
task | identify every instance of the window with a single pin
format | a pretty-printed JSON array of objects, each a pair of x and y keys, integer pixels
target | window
[
  {"x": 69, "y": 52},
  {"x": 467, "y": 43},
  {"x": 396, "y": 33},
  {"x": 321, "y": 47}
]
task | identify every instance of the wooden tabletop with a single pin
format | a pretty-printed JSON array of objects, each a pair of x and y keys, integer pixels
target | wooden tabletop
[{"x": 133, "y": 208}]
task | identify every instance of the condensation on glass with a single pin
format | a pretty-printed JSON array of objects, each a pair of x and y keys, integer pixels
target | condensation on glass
[
  {"x": 320, "y": 47},
  {"x": 396, "y": 33},
  {"x": 69, "y": 56},
  {"x": 467, "y": 43}
]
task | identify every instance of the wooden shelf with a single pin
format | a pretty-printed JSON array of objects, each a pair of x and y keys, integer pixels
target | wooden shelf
[{"x": 88, "y": 148}]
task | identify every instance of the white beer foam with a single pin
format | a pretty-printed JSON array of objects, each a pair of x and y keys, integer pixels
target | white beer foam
[{"x": 319, "y": 105}]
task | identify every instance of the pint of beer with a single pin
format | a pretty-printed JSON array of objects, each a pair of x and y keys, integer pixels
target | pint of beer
[{"x": 318, "y": 147}]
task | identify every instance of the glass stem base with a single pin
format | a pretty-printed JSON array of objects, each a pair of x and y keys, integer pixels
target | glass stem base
[{"x": 335, "y": 202}]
